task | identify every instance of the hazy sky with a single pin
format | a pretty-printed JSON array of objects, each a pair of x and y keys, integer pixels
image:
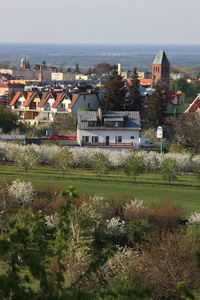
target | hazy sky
[{"x": 100, "y": 21}]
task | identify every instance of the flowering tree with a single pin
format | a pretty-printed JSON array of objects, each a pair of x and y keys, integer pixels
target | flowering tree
[{"x": 27, "y": 157}]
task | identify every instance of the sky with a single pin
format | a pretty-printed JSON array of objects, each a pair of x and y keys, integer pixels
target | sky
[{"x": 100, "y": 21}]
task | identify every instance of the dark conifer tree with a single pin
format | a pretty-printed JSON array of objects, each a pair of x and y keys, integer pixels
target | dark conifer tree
[
  {"x": 156, "y": 110},
  {"x": 114, "y": 95},
  {"x": 133, "y": 100}
]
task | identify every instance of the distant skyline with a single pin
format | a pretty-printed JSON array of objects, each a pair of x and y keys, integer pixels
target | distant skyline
[{"x": 100, "y": 21}]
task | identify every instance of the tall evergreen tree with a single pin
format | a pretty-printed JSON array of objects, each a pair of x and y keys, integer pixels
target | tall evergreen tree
[
  {"x": 133, "y": 99},
  {"x": 114, "y": 95},
  {"x": 156, "y": 112}
]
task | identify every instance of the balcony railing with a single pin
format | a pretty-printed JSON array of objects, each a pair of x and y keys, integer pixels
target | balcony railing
[
  {"x": 112, "y": 145},
  {"x": 62, "y": 109}
]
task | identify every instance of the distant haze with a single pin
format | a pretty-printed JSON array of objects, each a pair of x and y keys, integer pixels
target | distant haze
[
  {"x": 89, "y": 55},
  {"x": 100, "y": 21}
]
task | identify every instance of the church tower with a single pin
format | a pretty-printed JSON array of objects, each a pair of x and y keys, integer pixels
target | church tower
[
  {"x": 161, "y": 68},
  {"x": 23, "y": 64}
]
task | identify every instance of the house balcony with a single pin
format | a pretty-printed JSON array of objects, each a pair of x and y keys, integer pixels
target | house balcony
[
  {"x": 63, "y": 110},
  {"x": 45, "y": 119},
  {"x": 35, "y": 109},
  {"x": 20, "y": 107},
  {"x": 108, "y": 145}
]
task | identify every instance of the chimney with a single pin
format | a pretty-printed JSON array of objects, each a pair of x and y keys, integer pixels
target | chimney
[{"x": 119, "y": 69}]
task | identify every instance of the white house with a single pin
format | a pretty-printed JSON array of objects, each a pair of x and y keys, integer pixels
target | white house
[{"x": 110, "y": 129}]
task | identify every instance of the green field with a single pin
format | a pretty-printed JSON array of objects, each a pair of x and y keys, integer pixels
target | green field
[{"x": 148, "y": 187}]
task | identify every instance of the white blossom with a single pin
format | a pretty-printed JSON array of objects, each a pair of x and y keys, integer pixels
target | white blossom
[
  {"x": 115, "y": 227},
  {"x": 51, "y": 221},
  {"x": 22, "y": 192},
  {"x": 194, "y": 218}
]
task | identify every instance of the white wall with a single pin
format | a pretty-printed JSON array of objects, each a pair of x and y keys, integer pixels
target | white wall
[
  {"x": 56, "y": 76},
  {"x": 126, "y": 136},
  {"x": 91, "y": 99}
]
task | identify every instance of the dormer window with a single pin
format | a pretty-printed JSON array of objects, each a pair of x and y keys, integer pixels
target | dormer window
[{"x": 92, "y": 123}]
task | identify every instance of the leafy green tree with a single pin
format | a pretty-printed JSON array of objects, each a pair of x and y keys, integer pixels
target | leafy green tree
[
  {"x": 65, "y": 123},
  {"x": 180, "y": 84},
  {"x": 156, "y": 110},
  {"x": 134, "y": 166},
  {"x": 185, "y": 131},
  {"x": 169, "y": 169},
  {"x": 114, "y": 95},
  {"x": 191, "y": 89},
  {"x": 8, "y": 120},
  {"x": 100, "y": 164},
  {"x": 133, "y": 100},
  {"x": 104, "y": 68}
]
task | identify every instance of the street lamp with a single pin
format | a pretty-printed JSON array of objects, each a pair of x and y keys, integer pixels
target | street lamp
[{"x": 160, "y": 136}]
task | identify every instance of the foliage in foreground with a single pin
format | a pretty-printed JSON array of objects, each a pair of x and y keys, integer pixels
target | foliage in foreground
[{"x": 48, "y": 263}]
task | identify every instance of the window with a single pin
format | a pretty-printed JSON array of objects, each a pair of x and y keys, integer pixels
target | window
[
  {"x": 86, "y": 139},
  {"x": 91, "y": 123},
  {"x": 132, "y": 137},
  {"x": 113, "y": 124},
  {"x": 95, "y": 139},
  {"x": 118, "y": 139},
  {"x": 84, "y": 97},
  {"x": 88, "y": 105}
]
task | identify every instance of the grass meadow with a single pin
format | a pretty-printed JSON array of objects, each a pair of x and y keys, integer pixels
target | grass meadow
[{"x": 148, "y": 187}]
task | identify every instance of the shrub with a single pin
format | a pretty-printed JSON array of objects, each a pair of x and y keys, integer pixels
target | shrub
[
  {"x": 165, "y": 214},
  {"x": 22, "y": 192},
  {"x": 136, "y": 209},
  {"x": 139, "y": 231}
]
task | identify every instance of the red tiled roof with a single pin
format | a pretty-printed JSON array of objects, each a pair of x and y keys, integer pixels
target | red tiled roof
[
  {"x": 195, "y": 104},
  {"x": 47, "y": 98},
  {"x": 74, "y": 99},
  {"x": 29, "y": 94},
  {"x": 171, "y": 95},
  {"x": 141, "y": 80},
  {"x": 15, "y": 98},
  {"x": 59, "y": 98}
]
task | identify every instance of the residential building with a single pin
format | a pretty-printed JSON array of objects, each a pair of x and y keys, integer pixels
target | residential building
[
  {"x": 7, "y": 88},
  {"x": 110, "y": 129},
  {"x": 175, "y": 102},
  {"x": 175, "y": 76},
  {"x": 35, "y": 106}
]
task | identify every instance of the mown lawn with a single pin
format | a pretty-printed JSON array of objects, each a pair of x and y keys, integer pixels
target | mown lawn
[{"x": 148, "y": 187}]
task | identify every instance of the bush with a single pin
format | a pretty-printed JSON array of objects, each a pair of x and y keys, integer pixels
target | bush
[{"x": 139, "y": 231}]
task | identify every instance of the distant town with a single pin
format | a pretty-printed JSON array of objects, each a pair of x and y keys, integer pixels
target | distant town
[{"x": 41, "y": 95}]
